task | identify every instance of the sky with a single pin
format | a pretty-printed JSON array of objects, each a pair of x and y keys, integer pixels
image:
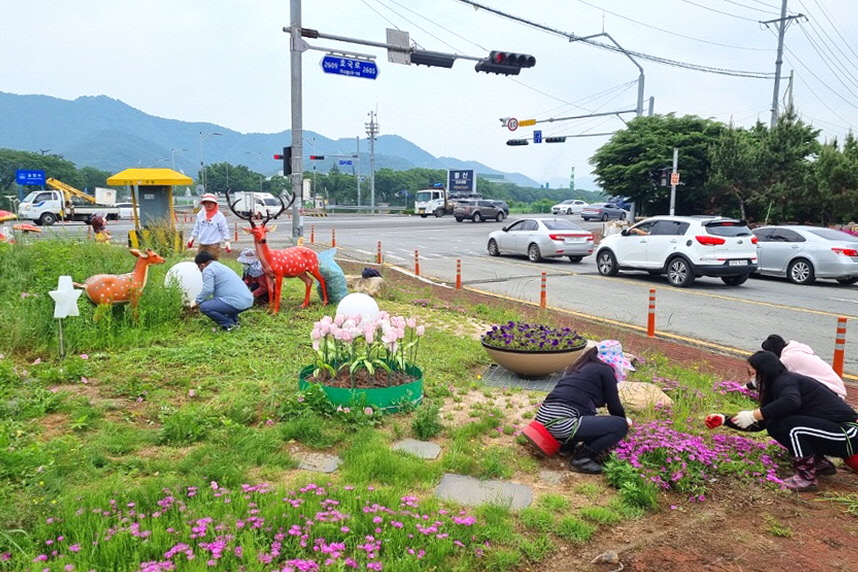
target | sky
[{"x": 227, "y": 62}]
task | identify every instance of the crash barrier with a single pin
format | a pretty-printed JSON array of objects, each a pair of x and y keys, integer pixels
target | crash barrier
[
  {"x": 650, "y": 321},
  {"x": 839, "y": 346}
]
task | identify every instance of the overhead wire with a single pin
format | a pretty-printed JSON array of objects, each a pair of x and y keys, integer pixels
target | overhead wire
[
  {"x": 771, "y": 9},
  {"x": 838, "y": 73},
  {"x": 829, "y": 43},
  {"x": 834, "y": 27},
  {"x": 719, "y": 11}
]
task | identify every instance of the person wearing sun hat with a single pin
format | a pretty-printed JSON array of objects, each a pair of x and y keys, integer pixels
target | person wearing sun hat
[
  {"x": 569, "y": 411},
  {"x": 254, "y": 276},
  {"x": 210, "y": 227}
]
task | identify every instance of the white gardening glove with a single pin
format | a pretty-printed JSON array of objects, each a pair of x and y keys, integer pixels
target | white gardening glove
[
  {"x": 629, "y": 421},
  {"x": 744, "y": 419},
  {"x": 227, "y": 246}
]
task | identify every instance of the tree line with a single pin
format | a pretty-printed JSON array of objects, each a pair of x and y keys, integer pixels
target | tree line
[{"x": 762, "y": 174}]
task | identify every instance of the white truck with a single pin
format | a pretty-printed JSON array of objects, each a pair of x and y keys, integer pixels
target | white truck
[
  {"x": 437, "y": 201},
  {"x": 255, "y": 204},
  {"x": 65, "y": 202}
]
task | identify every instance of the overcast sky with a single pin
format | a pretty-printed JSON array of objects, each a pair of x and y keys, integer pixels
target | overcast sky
[{"x": 227, "y": 62}]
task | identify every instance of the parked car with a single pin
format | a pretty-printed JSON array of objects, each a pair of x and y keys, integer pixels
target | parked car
[
  {"x": 503, "y": 206},
  {"x": 572, "y": 206},
  {"x": 603, "y": 211},
  {"x": 539, "y": 238},
  {"x": 684, "y": 248},
  {"x": 478, "y": 211},
  {"x": 805, "y": 253},
  {"x": 126, "y": 210}
]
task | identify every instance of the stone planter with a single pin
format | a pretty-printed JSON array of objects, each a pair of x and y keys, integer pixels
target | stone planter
[
  {"x": 528, "y": 363},
  {"x": 388, "y": 399}
]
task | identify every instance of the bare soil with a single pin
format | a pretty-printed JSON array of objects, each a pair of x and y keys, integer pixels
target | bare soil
[{"x": 362, "y": 379}]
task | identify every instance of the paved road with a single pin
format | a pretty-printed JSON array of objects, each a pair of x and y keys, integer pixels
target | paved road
[{"x": 733, "y": 317}]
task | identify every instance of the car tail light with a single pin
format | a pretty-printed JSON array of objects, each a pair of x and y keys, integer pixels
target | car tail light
[
  {"x": 709, "y": 240},
  {"x": 556, "y": 236},
  {"x": 754, "y": 240},
  {"x": 845, "y": 251}
]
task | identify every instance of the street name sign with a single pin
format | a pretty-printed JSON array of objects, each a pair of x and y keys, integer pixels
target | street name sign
[
  {"x": 29, "y": 177},
  {"x": 349, "y": 66},
  {"x": 526, "y": 122}
]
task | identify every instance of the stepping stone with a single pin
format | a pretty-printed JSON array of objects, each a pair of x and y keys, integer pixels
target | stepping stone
[
  {"x": 422, "y": 449},
  {"x": 318, "y": 462},
  {"x": 552, "y": 477},
  {"x": 472, "y": 492}
]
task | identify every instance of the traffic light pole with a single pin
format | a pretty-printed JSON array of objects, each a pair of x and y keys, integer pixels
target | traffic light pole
[{"x": 297, "y": 119}]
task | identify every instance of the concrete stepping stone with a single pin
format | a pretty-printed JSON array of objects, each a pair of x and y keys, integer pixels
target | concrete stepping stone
[
  {"x": 421, "y": 449},
  {"x": 318, "y": 462},
  {"x": 472, "y": 492}
]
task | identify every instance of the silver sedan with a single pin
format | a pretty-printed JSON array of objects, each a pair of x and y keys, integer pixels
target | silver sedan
[
  {"x": 539, "y": 238},
  {"x": 805, "y": 253}
]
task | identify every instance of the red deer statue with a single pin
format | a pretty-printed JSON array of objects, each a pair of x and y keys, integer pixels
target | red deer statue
[
  {"x": 295, "y": 262},
  {"x": 116, "y": 288}
]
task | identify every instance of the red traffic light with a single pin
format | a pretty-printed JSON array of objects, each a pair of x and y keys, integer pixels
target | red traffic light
[
  {"x": 317, "y": 157},
  {"x": 278, "y": 157}
]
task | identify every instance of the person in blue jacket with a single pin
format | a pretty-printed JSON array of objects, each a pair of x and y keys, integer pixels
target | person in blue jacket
[{"x": 224, "y": 295}]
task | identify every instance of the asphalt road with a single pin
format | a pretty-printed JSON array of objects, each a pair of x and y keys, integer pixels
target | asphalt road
[{"x": 736, "y": 318}]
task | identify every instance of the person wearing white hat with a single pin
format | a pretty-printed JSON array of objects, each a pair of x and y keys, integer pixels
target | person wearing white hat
[
  {"x": 569, "y": 411},
  {"x": 254, "y": 276},
  {"x": 210, "y": 228}
]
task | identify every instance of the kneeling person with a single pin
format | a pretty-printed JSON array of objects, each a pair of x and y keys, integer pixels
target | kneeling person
[{"x": 224, "y": 295}]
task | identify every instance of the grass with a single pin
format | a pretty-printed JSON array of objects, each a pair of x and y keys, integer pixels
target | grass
[{"x": 158, "y": 400}]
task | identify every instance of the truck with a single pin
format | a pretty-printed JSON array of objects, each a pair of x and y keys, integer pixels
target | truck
[
  {"x": 64, "y": 202},
  {"x": 257, "y": 205},
  {"x": 438, "y": 201}
]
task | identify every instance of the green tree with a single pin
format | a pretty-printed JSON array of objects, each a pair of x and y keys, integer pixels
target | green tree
[
  {"x": 833, "y": 184},
  {"x": 737, "y": 168}
]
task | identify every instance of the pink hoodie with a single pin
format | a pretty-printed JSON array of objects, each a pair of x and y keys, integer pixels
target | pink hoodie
[{"x": 799, "y": 358}]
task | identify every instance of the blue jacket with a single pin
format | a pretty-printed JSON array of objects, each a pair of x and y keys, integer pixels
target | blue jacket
[{"x": 222, "y": 283}]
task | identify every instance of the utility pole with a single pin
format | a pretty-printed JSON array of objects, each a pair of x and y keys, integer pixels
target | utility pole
[
  {"x": 357, "y": 172},
  {"x": 673, "y": 180},
  {"x": 296, "y": 50},
  {"x": 782, "y": 23},
  {"x": 372, "y": 131}
]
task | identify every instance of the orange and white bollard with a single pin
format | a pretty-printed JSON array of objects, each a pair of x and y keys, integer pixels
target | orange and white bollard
[
  {"x": 543, "y": 301},
  {"x": 333, "y": 237},
  {"x": 650, "y": 321},
  {"x": 416, "y": 263},
  {"x": 312, "y": 234},
  {"x": 235, "y": 225},
  {"x": 458, "y": 274},
  {"x": 839, "y": 346},
  {"x": 378, "y": 253}
]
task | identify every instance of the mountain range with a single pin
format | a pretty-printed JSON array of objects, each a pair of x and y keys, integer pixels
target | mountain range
[{"x": 105, "y": 133}]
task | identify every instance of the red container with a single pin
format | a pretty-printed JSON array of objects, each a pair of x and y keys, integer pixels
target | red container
[
  {"x": 852, "y": 462},
  {"x": 540, "y": 438}
]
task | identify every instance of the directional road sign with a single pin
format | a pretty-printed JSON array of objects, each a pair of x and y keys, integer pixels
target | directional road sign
[
  {"x": 29, "y": 177},
  {"x": 349, "y": 66},
  {"x": 537, "y": 136},
  {"x": 526, "y": 122},
  {"x": 348, "y": 162}
]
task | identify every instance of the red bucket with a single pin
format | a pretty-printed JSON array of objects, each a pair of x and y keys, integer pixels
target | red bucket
[
  {"x": 852, "y": 462},
  {"x": 540, "y": 438}
]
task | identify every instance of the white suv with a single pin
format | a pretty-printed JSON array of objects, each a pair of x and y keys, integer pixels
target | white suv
[{"x": 684, "y": 248}]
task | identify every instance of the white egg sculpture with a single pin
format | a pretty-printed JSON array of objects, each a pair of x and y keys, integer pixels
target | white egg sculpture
[
  {"x": 358, "y": 303},
  {"x": 188, "y": 278}
]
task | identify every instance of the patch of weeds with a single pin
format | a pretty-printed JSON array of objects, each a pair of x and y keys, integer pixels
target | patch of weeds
[
  {"x": 369, "y": 460},
  {"x": 849, "y": 501},
  {"x": 461, "y": 459},
  {"x": 539, "y": 519},
  {"x": 120, "y": 439},
  {"x": 501, "y": 559},
  {"x": 538, "y": 548},
  {"x": 312, "y": 430},
  {"x": 186, "y": 425},
  {"x": 776, "y": 528},
  {"x": 427, "y": 422},
  {"x": 574, "y": 529},
  {"x": 634, "y": 490},
  {"x": 590, "y": 490},
  {"x": 601, "y": 515},
  {"x": 496, "y": 463},
  {"x": 553, "y": 502}
]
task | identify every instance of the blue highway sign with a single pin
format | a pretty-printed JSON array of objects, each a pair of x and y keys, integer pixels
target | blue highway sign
[
  {"x": 348, "y": 162},
  {"x": 537, "y": 136},
  {"x": 349, "y": 66},
  {"x": 28, "y": 177}
]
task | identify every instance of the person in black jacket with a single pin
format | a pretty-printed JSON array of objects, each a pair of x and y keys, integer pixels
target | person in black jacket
[
  {"x": 569, "y": 411},
  {"x": 801, "y": 414}
]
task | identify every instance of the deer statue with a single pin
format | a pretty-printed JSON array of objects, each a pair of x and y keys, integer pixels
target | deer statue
[
  {"x": 295, "y": 262},
  {"x": 116, "y": 288}
]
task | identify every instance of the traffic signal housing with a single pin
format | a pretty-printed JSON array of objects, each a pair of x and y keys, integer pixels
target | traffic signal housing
[
  {"x": 561, "y": 139},
  {"x": 420, "y": 58},
  {"x": 317, "y": 157},
  {"x": 505, "y": 63},
  {"x": 286, "y": 157},
  {"x": 515, "y": 142}
]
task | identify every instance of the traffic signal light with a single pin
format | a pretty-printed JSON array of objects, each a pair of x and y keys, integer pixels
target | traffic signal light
[
  {"x": 286, "y": 157},
  {"x": 555, "y": 139},
  {"x": 317, "y": 157},
  {"x": 514, "y": 142},
  {"x": 432, "y": 59},
  {"x": 505, "y": 63}
]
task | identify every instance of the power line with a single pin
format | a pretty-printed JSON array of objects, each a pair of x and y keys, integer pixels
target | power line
[
  {"x": 771, "y": 9},
  {"x": 719, "y": 11},
  {"x": 834, "y": 27}
]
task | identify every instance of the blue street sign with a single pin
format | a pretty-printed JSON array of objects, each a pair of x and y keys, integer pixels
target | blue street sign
[
  {"x": 461, "y": 181},
  {"x": 26, "y": 177},
  {"x": 346, "y": 162},
  {"x": 349, "y": 66},
  {"x": 537, "y": 136}
]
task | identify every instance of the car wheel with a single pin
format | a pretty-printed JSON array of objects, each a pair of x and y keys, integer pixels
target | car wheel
[
  {"x": 439, "y": 212},
  {"x": 735, "y": 280},
  {"x": 47, "y": 219},
  {"x": 848, "y": 280},
  {"x": 493, "y": 248},
  {"x": 478, "y": 217},
  {"x": 500, "y": 216},
  {"x": 585, "y": 218},
  {"x": 679, "y": 273},
  {"x": 575, "y": 259},
  {"x": 604, "y": 216},
  {"x": 533, "y": 253},
  {"x": 622, "y": 216},
  {"x": 800, "y": 271},
  {"x": 459, "y": 219},
  {"x": 424, "y": 215},
  {"x": 606, "y": 263},
  {"x": 569, "y": 211}
]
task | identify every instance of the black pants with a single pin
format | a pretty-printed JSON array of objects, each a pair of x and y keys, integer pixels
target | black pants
[{"x": 805, "y": 436}]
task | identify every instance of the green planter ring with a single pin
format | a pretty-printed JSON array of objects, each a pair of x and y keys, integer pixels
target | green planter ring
[
  {"x": 529, "y": 363},
  {"x": 388, "y": 399}
]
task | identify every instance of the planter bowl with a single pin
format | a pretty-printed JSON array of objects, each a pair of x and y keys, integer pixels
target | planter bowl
[
  {"x": 527, "y": 363},
  {"x": 388, "y": 399}
]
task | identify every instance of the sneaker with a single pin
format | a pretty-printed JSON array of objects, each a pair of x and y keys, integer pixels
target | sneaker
[{"x": 232, "y": 328}]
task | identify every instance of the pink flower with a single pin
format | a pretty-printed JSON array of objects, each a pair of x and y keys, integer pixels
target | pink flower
[
  {"x": 420, "y": 330},
  {"x": 83, "y": 379},
  {"x": 367, "y": 411},
  {"x": 192, "y": 393},
  {"x": 84, "y": 356},
  {"x": 214, "y": 485},
  {"x": 37, "y": 361}
]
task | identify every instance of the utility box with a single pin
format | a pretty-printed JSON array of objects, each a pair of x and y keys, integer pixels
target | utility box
[
  {"x": 104, "y": 196},
  {"x": 151, "y": 193}
]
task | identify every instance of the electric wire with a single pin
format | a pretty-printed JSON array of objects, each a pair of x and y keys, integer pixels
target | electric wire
[
  {"x": 415, "y": 24},
  {"x": 771, "y": 9},
  {"x": 830, "y": 43},
  {"x": 834, "y": 27},
  {"x": 840, "y": 72},
  {"x": 719, "y": 11}
]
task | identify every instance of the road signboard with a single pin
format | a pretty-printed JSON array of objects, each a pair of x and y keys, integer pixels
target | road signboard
[
  {"x": 537, "y": 136},
  {"x": 461, "y": 181},
  {"x": 349, "y": 66},
  {"x": 348, "y": 162},
  {"x": 674, "y": 178},
  {"x": 512, "y": 123},
  {"x": 29, "y": 177},
  {"x": 526, "y": 122}
]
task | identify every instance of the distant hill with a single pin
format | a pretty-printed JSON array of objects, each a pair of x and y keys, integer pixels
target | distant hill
[{"x": 107, "y": 134}]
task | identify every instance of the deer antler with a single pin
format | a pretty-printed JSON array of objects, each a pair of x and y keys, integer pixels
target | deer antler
[{"x": 231, "y": 204}]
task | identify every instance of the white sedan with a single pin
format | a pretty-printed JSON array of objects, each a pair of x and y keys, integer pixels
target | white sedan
[
  {"x": 539, "y": 238},
  {"x": 572, "y": 206}
]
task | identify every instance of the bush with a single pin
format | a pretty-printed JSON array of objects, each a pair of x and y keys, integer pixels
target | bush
[{"x": 427, "y": 421}]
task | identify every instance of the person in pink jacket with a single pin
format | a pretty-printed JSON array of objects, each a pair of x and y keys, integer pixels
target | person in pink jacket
[{"x": 799, "y": 358}]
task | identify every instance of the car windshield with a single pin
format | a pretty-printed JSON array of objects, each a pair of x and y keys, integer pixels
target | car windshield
[
  {"x": 271, "y": 202},
  {"x": 728, "y": 228},
  {"x": 423, "y": 196},
  {"x": 556, "y": 224},
  {"x": 834, "y": 234}
]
